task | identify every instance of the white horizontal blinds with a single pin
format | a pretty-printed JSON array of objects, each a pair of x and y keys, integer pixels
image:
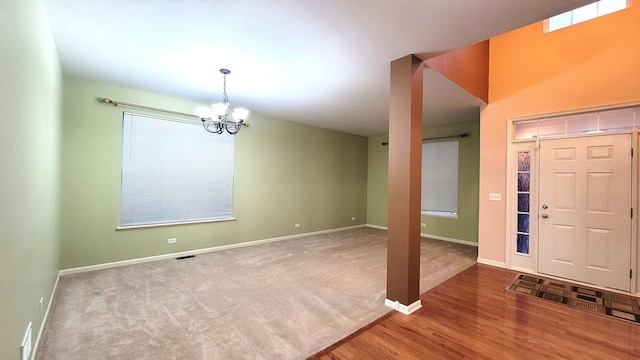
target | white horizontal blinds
[
  {"x": 440, "y": 177},
  {"x": 174, "y": 172}
]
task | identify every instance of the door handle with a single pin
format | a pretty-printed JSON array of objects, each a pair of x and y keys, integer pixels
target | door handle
[{"x": 544, "y": 216}]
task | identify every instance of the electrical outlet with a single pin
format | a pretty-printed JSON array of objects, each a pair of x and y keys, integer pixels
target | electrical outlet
[
  {"x": 353, "y": 218},
  {"x": 423, "y": 225},
  {"x": 172, "y": 241},
  {"x": 296, "y": 225}
]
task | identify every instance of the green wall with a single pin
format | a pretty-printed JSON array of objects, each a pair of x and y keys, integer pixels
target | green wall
[
  {"x": 285, "y": 173},
  {"x": 30, "y": 100},
  {"x": 377, "y": 179},
  {"x": 465, "y": 227}
]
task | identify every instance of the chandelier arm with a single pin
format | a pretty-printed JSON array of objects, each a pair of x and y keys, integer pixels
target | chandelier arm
[
  {"x": 232, "y": 127},
  {"x": 219, "y": 128},
  {"x": 205, "y": 127}
]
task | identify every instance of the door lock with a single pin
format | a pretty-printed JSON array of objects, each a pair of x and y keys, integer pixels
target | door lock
[{"x": 544, "y": 206}]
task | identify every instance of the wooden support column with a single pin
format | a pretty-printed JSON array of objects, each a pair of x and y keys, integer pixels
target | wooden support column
[{"x": 405, "y": 163}]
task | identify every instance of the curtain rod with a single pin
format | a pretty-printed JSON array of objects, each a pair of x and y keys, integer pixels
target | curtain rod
[
  {"x": 463, "y": 135},
  {"x": 120, "y": 103},
  {"x": 125, "y": 104}
]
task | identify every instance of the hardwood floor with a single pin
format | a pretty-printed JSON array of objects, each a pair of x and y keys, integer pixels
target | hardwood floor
[{"x": 472, "y": 316}]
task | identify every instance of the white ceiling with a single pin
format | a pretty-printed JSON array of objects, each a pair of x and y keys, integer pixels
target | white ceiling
[{"x": 319, "y": 62}]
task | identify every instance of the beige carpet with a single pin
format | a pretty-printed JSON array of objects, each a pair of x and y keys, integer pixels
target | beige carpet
[{"x": 284, "y": 300}]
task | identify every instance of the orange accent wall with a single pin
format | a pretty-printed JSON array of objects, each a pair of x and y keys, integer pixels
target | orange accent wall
[
  {"x": 468, "y": 67},
  {"x": 592, "y": 64}
]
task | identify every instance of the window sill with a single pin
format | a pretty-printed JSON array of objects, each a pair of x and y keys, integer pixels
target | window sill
[
  {"x": 441, "y": 214},
  {"x": 145, "y": 226}
]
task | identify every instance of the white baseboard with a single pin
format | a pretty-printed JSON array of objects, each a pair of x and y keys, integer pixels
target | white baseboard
[
  {"x": 436, "y": 237},
  {"x": 109, "y": 265},
  {"x": 457, "y": 241},
  {"x": 401, "y": 308},
  {"x": 377, "y": 227},
  {"x": 44, "y": 319},
  {"x": 492, "y": 263},
  {"x": 522, "y": 270}
]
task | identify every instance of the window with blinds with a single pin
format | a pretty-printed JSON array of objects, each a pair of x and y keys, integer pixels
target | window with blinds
[
  {"x": 174, "y": 172},
  {"x": 440, "y": 178}
]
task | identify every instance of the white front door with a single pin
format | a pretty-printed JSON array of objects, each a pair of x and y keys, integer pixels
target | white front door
[{"x": 585, "y": 209}]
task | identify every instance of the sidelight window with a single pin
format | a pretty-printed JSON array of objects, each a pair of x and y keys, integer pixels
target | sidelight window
[{"x": 523, "y": 201}]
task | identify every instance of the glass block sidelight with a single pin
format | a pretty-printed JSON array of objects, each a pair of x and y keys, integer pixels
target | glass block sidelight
[
  {"x": 522, "y": 243},
  {"x": 524, "y": 163},
  {"x": 523, "y": 200}
]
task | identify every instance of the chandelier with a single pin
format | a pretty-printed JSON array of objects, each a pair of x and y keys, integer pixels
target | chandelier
[{"x": 219, "y": 118}]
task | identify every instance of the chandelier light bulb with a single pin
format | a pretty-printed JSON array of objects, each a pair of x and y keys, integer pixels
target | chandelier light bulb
[
  {"x": 219, "y": 109},
  {"x": 240, "y": 114}
]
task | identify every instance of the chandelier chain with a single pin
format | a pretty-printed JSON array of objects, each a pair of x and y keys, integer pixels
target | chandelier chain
[{"x": 225, "y": 97}]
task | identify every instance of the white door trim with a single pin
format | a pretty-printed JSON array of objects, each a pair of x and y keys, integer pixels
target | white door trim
[{"x": 512, "y": 260}]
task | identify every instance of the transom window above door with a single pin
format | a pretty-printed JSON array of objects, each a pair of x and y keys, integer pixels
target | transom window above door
[{"x": 603, "y": 121}]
